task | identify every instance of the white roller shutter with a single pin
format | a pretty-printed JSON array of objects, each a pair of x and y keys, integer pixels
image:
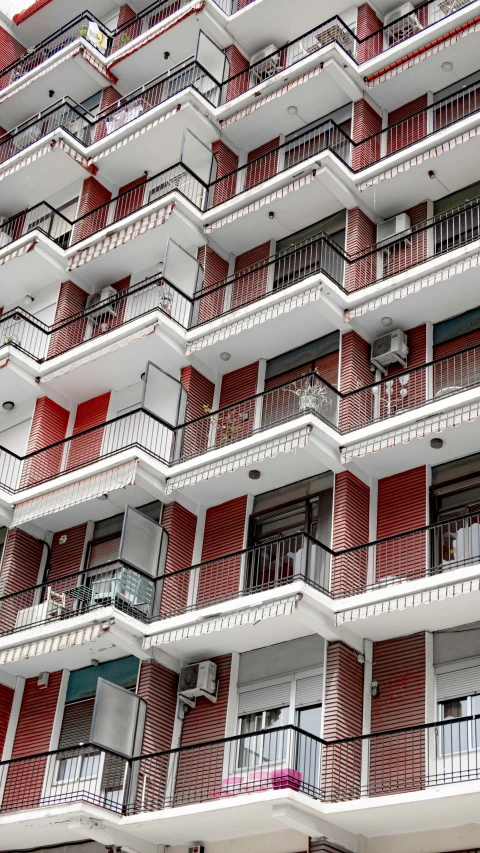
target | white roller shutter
[
  {"x": 15, "y": 437},
  {"x": 264, "y": 698},
  {"x": 309, "y": 691},
  {"x": 458, "y": 683}
]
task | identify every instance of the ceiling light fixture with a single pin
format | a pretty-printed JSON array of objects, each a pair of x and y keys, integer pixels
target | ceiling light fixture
[
  {"x": 27, "y": 300},
  {"x": 271, "y": 214},
  {"x": 447, "y": 66},
  {"x": 8, "y": 405},
  {"x": 386, "y": 321},
  {"x": 225, "y": 356},
  {"x": 254, "y": 474},
  {"x": 436, "y": 443},
  {"x": 292, "y": 110},
  {"x": 103, "y": 497}
]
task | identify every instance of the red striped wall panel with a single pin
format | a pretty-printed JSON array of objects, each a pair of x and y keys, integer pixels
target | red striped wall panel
[
  {"x": 66, "y": 558},
  {"x": 366, "y": 122},
  {"x": 133, "y": 198},
  {"x": 399, "y": 669},
  {"x": 6, "y": 699},
  {"x": 158, "y": 686},
  {"x": 350, "y": 527},
  {"x": 125, "y": 14},
  {"x": 71, "y": 300},
  {"x": 224, "y": 532},
  {"x": 20, "y": 568},
  {"x": 402, "y": 507},
  {"x": 10, "y": 50},
  {"x": 227, "y": 163},
  {"x": 94, "y": 194},
  {"x": 264, "y": 168},
  {"x": 236, "y": 422},
  {"x": 343, "y": 718},
  {"x": 215, "y": 270},
  {"x": 34, "y": 729},
  {"x": 181, "y": 526},
  {"x": 408, "y": 128},
  {"x": 199, "y": 395},
  {"x": 49, "y": 425},
  {"x": 368, "y": 24},
  {"x": 87, "y": 448},
  {"x": 201, "y": 770},
  {"x": 109, "y": 96},
  {"x": 355, "y": 374},
  {"x": 251, "y": 273},
  {"x": 361, "y": 236},
  {"x": 238, "y": 65}
]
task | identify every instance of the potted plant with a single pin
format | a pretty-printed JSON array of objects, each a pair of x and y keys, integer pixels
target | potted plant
[
  {"x": 83, "y": 31},
  {"x": 123, "y": 40},
  {"x": 312, "y": 395}
]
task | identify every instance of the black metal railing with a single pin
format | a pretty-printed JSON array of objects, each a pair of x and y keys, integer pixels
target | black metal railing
[
  {"x": 402, "y": 760},
  {"x": 88, "y": 129},
  {"x": 42, "y": 342},
  {"x": 333, "y": 31},
  {"x": 428, "y": 551},
  {"x": 307, "y": 395}
]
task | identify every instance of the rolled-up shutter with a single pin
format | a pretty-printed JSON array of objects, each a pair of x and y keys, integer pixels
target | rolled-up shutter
[
  {"x": 264, "y": 698},
  {"x": 458, "y": 683},
  {"x": 76, "y": 723},
  {"x": 309, "y": 691}
]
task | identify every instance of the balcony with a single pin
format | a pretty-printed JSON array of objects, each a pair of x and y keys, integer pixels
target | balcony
[
  {"x": 419, "y": 770},
  {"x": 92, "y": 135}
]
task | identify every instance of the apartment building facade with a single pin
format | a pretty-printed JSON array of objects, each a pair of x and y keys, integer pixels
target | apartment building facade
[{"x": 239, "y": 426}]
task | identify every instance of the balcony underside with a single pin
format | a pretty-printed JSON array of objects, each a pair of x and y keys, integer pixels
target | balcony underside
[
  {"x": 74, "y": 77},
  {"x": 248, "y": 27},
  {"x": 298, "y": 313},
  {"x": 413, "y": 80},
  {"x": 27, "y": 265},
  {"x": 331, "y": 87},
  {"x": 55, "y": 14},
  {"x": 37, "y": 173},
  {"x": 296, "y": 201},
  {"x": 115, "y": 360},
  {"x": 177, "y": 35},
  {"x": 108, "y": 255},
  {"x": 454, "y": 162},
  {"x": 380, "y": 819},
  {"x": 156, "y": 147}
]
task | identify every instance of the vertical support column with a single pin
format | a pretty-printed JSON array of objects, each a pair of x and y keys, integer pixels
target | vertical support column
[{"x": 367, "y": 712}]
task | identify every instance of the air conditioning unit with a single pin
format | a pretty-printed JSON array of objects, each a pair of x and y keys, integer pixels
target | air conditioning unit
[
  {"x": 198, "y": 679},
  {"x": 398, "y": 12},
  {"x": 100, "y": 297},
  {"x": 391, "y": 227},
  {"x": 263, "y": 53},
  {"x": 391, "y": 348}
]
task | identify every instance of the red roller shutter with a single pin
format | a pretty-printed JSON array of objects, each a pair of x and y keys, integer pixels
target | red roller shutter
[
  {"x": 199, "y": 395},
  {"x": 94, "y": 194},
  {"x": 398, "y": 763},
  {"x": 49, "y": 425},
  {"x": 215, "y": 270},
  {"x": 158, "y": 686},
  {"x": 251, "y": 285},
  {"x": 87, "y": 448},
  {"x": 263, "y": 163},
  {"x": 224, "y": 532},
  {"x": 66, "y": 558},
  {"x": 350, "y": 527},
  {"x": 71, "y": 300},
  {"x": 343, "y": 714},
  {"x": 24, "y": 783},
  {"x": 408, "y": 130},
  {"x": 20, "y": 568},
  {"x": 236, "y": 422},
  {"x": 6, "y": 699},
  {"x": 181, "y": 526},
  {"x": 402, "y": 506},
  {"x": 130, "y": 198},
  {"x": 227, "y": 165}
]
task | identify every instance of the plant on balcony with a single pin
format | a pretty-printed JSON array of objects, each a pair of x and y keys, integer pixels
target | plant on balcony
[
  {"x": 313, "y": 395},
  {"x": 83, "y": 31},
  {"x": 227, "y": 430},
  {"x": 123, "y": 40}
]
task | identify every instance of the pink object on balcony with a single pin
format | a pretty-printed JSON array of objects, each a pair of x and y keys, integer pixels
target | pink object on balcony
[{"x": 286, "y": 778}]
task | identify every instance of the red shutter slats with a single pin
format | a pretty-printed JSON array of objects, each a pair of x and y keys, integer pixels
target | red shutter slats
[
  {"x": 87, "y": 447},
  {"x": 180, "y": 525}
]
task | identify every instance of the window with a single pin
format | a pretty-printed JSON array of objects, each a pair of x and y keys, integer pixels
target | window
[
  {"x": 458, "y": 695},
  {"x": 264, "y": 715}
]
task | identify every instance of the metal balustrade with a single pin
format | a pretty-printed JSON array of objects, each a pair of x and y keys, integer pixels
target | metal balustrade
[
  {"x": 309, "y": 394},
  {"x": 412, "y": 758},
  {"x": 332, "y": 31},
  {"x": 88, "y": 129},
  {"x": 427, "y": 551}
]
